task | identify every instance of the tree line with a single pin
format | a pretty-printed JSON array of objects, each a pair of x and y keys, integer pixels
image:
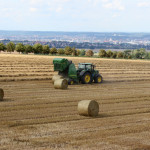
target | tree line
[
  {"x": 46, "y": 50},
  {"x": 127, "y": 54},
  {"x": 43, "y": 49}
]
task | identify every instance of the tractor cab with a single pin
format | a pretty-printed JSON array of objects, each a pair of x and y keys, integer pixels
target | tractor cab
[{"x": 85, "y": 66}]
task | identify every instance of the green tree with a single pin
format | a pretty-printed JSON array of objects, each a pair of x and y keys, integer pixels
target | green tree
[
  {"x": 129, "y": 57},
  {"x": 114, "y": 54},
  {"x": 146, "y": 56},
  {"x": 28, "y": 49},
  {"x": 127, "y": 54},
  {"x": 143, "y": 53},
  {"x": 37, "y": 48},
  {"x": 120, "y": 55},
  {"x": 82, "y": 52},
  {"x": 46, "y": 49},
  {"x": 10, "y": 47},
  {"x": 89, "y": 53},
  {"x": 136, "y": 54},
  {"x": 20, "y": 48},
  {"x": 68, "y": 50},
  {"x": 78, "y": 52},
  {"x": 102, "y": 53},
  {"x": 2, "y": 47},
  {"x": 61, "y": 51},
  {"x": 140, "y": 53},
  {"x": 74, "y": 52},
  {"x": 109, "y": 53},
  {"x": 53, "y": 50},
  {"x": 149, "y": 55}
]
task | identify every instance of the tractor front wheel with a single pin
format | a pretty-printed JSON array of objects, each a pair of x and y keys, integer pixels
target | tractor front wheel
[
  {"x": 70, "y": 82},
  {"x": 98, "y": 79},
  {"x": 86, "y": 78}
]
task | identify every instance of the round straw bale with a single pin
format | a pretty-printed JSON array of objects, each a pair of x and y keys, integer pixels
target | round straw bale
[
  {"x": 56, "y": 77},
  {"x": 88, "y": 108},
  {"x": 1, "y": 94},
  {"x": 61, "y": 84}
]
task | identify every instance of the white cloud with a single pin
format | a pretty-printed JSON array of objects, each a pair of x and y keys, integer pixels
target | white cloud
[
  {"x": 36, "y": 1},
  {"x": 113, "y": 4},
  {"x": 6, "y": 9},
  {"x": 94, "y": 2},
  {"x": 61, "y": 1},
  {"x": 59, "y": 9},
  {"x": 45, "y": 5},
  {"x": 32, "y": 9},
  {"x": 105, "y": 1},
  {"x": 116, "y": 15},
  {"x": 143, "y": 4}
]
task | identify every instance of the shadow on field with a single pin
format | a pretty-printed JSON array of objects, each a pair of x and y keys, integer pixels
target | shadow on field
[
  {"x": 6, "y": 100},
  {"x": 143, "y": 147},
  {"x": 103, "y": 116}
]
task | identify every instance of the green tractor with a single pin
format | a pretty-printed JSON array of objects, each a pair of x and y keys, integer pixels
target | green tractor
[{"x": 85, "y": 73}]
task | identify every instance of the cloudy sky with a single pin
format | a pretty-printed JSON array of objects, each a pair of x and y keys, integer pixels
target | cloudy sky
[{"x": 75, "y": 15}]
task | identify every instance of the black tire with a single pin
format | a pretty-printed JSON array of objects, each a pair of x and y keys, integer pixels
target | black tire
[
  {"x": 86, "y": 78},
  {"x": 70, "y": 82},
  {"x": 98, "y": 79}
]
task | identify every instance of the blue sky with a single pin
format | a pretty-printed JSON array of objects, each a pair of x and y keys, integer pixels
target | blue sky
[{"x": 75, "y": 15}]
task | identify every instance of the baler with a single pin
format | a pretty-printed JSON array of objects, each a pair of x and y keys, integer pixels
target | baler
[{"x": 85, "y": 73}]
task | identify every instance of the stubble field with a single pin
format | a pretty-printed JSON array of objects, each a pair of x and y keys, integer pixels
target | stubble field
[{"x": 34, "y": 115}]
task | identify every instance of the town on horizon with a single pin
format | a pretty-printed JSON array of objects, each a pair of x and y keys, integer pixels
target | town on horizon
[{"x": 92, "y": 40}]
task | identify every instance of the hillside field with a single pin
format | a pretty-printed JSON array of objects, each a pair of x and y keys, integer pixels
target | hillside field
[{"x": 34, "y": 115}]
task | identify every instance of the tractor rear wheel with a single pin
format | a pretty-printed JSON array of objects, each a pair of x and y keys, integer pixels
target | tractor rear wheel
[
  {"x": 86, "y": 78},
  {"x": 98, "y": 79}
]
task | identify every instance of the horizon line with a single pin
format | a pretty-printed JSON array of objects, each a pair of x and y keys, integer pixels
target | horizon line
[{"x": 78, "y": 31}]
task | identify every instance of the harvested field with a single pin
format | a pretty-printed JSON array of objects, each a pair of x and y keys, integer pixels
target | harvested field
[{"x": 34, "y": 115}]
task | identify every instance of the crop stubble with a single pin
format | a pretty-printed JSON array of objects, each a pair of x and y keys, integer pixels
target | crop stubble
[{"x": 35, "y": 115}]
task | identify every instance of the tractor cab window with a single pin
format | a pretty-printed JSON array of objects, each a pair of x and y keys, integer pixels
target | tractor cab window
[
  {"x": 81, "y": 66},
  {"x": 85, "y": 66},
  {"x": 89, "y": 67}
]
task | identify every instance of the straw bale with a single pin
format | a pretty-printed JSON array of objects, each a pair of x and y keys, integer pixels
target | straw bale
[
  {"x": 61, "y": 84},
  {"x": 56, "y": 77},
  {"x": 88, "y": 108}
]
